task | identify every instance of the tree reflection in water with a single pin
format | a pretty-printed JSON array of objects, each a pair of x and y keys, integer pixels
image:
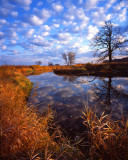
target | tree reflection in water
[
  {"x": 69, "y": 78},
  {"x": 68, "y": 96},
  {"x": 109, "y": 95}
]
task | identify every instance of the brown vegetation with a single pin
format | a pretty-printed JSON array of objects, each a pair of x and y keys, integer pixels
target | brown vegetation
[
  {"x": 108, "y": 139},
  {"x": 24, "y": 133},
  {"x": 102, "y": 69}
]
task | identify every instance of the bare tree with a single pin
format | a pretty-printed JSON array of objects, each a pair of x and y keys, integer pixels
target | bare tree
[
  {"x": 50, "y": 64},
  {"x": 69, "y": 57},
  {"x": 65, "y": 57},
  {"x": 38, "y": 62},
  {"x": 107, "y": 41}
]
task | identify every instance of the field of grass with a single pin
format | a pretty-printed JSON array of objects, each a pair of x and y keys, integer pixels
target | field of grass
[
  {"x": 25, "y": 133},
  {"x": 27, "y": 70}
]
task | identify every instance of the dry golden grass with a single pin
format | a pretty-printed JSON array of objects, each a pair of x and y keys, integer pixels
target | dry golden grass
[
  {"x": 24, "y": 133},
  {"x": 108, "y": 139},
  {"x": 22, "y": 130}
]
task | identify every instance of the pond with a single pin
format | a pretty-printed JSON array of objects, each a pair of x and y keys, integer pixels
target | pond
[{"x": 68, "y": 96}]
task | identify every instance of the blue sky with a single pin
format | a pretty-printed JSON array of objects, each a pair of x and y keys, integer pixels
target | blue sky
[{"x": 32, "y": 30}]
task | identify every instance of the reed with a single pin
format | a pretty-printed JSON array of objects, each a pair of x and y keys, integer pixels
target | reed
[
  {"x": 25, "y": 132},
  {"x": 108, "y": 138}
]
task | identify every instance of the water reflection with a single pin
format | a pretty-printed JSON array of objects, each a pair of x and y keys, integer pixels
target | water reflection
[
  {"x": 112, "y": 96},
  {"x": 69, "y": 78},
  {"x": 68, "y": 95}
]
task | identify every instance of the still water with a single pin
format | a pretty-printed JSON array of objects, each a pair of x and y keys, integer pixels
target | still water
[{"x": 68, "y": 96}]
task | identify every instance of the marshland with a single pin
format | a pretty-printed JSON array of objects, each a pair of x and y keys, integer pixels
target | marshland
[
  {"x": 44, "y": 115},
  {"x": 64, "y": 80}
]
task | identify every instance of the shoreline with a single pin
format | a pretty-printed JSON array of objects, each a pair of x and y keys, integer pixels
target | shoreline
[
  {"x": 24, "y": 133},
  {"x": 100, "y": 70}
]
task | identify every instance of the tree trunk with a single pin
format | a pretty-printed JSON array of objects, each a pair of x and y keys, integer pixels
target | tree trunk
[{"x": 110, "y": 56}]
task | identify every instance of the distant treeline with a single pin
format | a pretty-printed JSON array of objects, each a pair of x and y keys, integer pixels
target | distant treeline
[{"x": 118, "y": 60}]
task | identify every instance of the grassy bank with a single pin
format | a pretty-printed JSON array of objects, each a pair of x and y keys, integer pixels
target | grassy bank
[
  {"x": 27, "y": 70},
  {"x": 24, "y": 133},
  {"x": 103, "y": 69}
]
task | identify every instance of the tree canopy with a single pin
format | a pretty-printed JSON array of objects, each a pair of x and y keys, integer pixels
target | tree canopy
[{"x": 108, "y": 40}]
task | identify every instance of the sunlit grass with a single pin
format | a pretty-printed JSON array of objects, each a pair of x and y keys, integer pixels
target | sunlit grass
[
  {"x": 101, "y": 69},
  {"x": 25, "y": 132},
  {"x": 108, "y": 139}
]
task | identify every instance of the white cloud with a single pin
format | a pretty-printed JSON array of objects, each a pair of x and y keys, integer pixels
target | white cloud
[
  {"x": 91, "y": 4},
  {"x": 99, "y": 15},
  {"x": 56, "y": 25},
  {"x": 45, "y": 34},
  {"x": 24, "y": 3},
  {"x": 80, "y": 1},
  {"x": 66, "y": 23},
  {"x": 80, "y": 13},
  {"x": 3, "y": 47},
  {"x": 101, "y": 23},
  {"x": 13, "y": 35},
  {"x": 69, "y": 17},
  {"x": 57, "y": 7},
  {"x": 44, "y": 13},
  {"x": 85, "y": 59},
  {"x": 13, "y": 41},
  {"x": 1, "y": 35},
  {"x": 64, "y": 36},
  {"x": 75, "y": 14},
  {"x": 30, "y": 32},
  {"x": 122, "y": 15},
  {"x": 14, "y": 14},
  {"x": 4, "y": 12},
  {"x": 36, "y": 21},
  {"x": 108, "y": 17},
  {"x": 83, "y": 49},
  {"x": 39, "y": 4},
  {"x": 119, "y": 6},
  {"x": 40, "y": 41},
  {"x": 72, "y": 9},
  {"x": 9, "y": 33},
  {"x": 110, "y": 3},
  {"x": 46, "y": 28},
  {"x": 77, "y": 43},
  {"x": 84, "y": 23},
  {"x": 92, "y": 31},
  {"x": 24, "y": 24},
  {"x": 1, "y": 41},
  {"x": 75, "y": 27},
  {"x": 3, "y": 22}
]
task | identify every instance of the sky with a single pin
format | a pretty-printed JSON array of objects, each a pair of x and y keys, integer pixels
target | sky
[{"x": 32, "y": 30}]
